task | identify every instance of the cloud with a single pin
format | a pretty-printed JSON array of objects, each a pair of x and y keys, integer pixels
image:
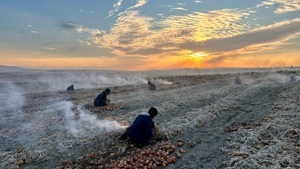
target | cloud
[
  {"x": 268, "y": 38},
  {"x": 268, "y": 34},
  {"x": 179, "y": 8},
  {"x": 282, "y": 6},
  {"x": 127, "y": 33},
  {"x": 220, "y": 32},
  {"x": 93, "y": 32},
  {"x": 181, "y": 4},
  {"x": 134, "y": 33},
  {"x": 146, "y": 52},
  {"x": 117, "y": 6},
  {"x": 68, "y": 25},
  {"x": 138, "y": 4},
  {"x": 115, "y": 9},
  {"x": 197, "y": 1},
  {"x": 34, "y": 32},
  {"x": 51, "y": 49}
]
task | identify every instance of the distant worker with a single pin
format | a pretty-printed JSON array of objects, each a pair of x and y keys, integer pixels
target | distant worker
[
  {"x": 141, "y": 129},
  {"x": 151, "y": 86},
  {"x": 238, "y": 80},
  {"x": 70, "y": 88},
  {"x": 101, "y": 99}
]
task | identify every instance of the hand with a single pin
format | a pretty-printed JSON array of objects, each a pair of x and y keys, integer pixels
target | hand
[{"x": 155, "y": 128}]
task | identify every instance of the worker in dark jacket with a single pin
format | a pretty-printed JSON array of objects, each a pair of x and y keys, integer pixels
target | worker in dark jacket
[
  {"x": 151, "y": 86},
  {"x": 70, "y": 88},
  {"x": 101, "y": 99},
  {"x": 141, "y": 129}
]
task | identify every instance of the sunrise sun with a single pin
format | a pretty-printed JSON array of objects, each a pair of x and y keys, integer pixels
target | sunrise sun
[{"x": 198, "y": 56}]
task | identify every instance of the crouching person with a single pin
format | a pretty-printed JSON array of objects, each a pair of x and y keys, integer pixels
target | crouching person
[
  {"x": 101, "y": 99},
  {"x": 141, "y": 129},
  {"x": 70, "y": 88}
]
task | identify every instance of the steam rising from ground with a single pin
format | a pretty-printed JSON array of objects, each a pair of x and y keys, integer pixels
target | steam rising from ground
[
  {"x": 60, "y": 81},
  {"x": 11, "y": 100},
  {"x": 51, "y": 130},
  {"x": 162, "y": 81},
  {"x": 83, "y": 124}
]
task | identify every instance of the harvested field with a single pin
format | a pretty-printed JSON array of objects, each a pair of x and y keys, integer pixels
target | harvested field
[{"x": 219, "y": 123}]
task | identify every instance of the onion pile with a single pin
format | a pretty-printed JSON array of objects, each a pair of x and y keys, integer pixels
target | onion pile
[
  {"x": 160, "y": 155},
  {"x": 102, "y": 109}
]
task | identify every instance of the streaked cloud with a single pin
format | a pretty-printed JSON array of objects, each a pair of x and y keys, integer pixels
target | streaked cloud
[
  {"x": 68, "y": 25},
  {"x": 115, "y": 9},
  {"x": 267, "y": 38},
  {"x": 117, "y": 6},
  {"x": 127, "y": 34},
  {"x": 179, "y": 8},
  {"x": 51, "y": 49},
  {"x": 139, "y": 4},
  {"x": 93, "y": 32},
  {"x": 34, "y": 32},
  {"x": 269, "y": 34},
  {"x": 136, "y": 34},
  {"x": 282, "y": 6}
]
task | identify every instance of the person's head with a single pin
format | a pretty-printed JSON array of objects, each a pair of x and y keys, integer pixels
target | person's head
[
  {"x": 72, "y": 85},
  {"x": 107, "y": 91},
  {"x": 153, "y": 112}
]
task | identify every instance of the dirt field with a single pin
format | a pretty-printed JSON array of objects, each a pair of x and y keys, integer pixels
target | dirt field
[{"x": 255, "y": 124}]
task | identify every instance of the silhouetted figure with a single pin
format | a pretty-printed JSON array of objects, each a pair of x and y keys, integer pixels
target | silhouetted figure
[
  {"x": 141, "y": 129},
  {"x": 101, "y": 99},
  {"x": 70, "y": 88},
  {"x": 238, "y": 80},
  {"x": 151, "y": 86}
]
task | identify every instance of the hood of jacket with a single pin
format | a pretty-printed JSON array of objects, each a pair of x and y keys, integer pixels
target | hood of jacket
[{"x": 145, "y": 114}]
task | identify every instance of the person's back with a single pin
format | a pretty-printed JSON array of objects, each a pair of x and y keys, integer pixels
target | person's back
[
  {"x": 101, "y": 99},
  {"x": 141, "y": 129},
  {"x": 151, "y": 86},
  {"x": 70, "y": 88}
]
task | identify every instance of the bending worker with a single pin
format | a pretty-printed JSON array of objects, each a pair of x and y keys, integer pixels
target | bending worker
[
  {"x": 141, "y": 128},
  {"x": 101, "y": 99}
]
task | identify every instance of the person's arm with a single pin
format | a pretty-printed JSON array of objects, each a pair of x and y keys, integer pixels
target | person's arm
[{"x": 149, "y": 126}]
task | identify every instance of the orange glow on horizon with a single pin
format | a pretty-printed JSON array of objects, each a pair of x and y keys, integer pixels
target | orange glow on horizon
[{"x": 163, "y": 62}]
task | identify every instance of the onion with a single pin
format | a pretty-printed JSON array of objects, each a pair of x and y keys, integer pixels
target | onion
[
  {"x": 182, "y": 150},
  {"x": 120, "y": 165},
  {"x": 180, "y": 144},
  {"x": 169, "y": 160},
  {"x": 164, "y": 164},
  {"x": 178, "y": 155}
]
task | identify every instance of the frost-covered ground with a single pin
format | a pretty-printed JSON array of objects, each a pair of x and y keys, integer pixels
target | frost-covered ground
[{"x": 223, "y": 124}]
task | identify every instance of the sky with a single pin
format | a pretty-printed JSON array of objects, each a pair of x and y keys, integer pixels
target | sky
[{"x": 149, "y": 34}]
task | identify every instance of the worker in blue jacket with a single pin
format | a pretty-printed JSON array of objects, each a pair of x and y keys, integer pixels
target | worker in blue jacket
[
  {"x": 141, "y": 128},
  {"x": 101, "y": 99}
]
